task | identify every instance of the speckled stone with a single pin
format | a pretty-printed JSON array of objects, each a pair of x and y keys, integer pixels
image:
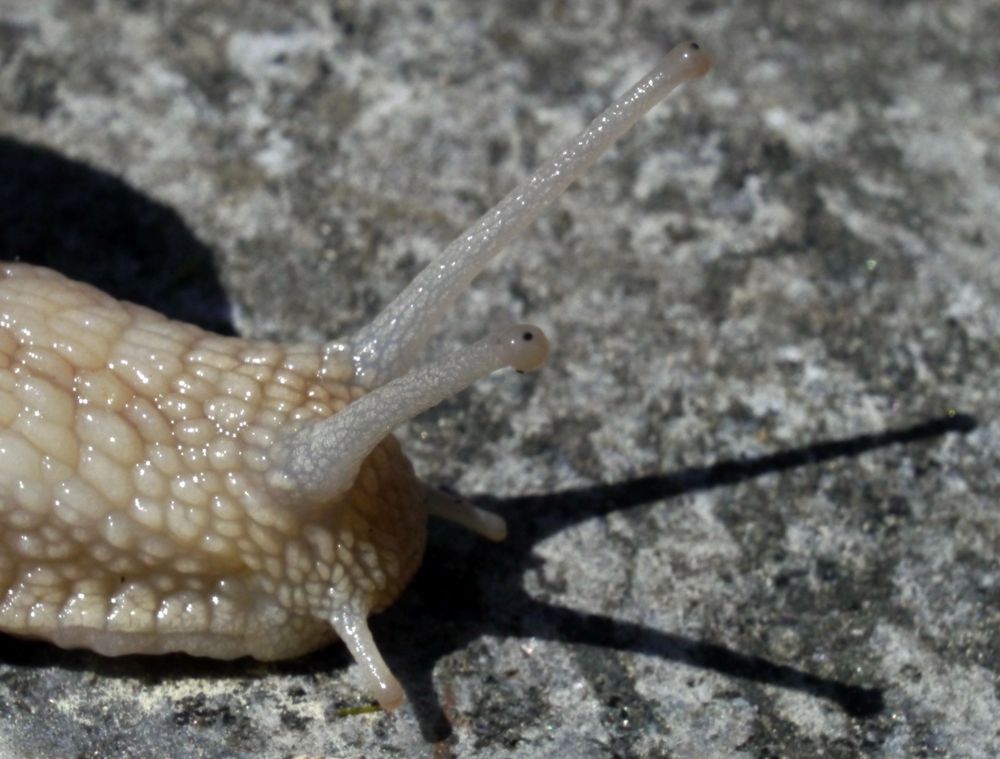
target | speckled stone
[{"x": 753, "y": 497}]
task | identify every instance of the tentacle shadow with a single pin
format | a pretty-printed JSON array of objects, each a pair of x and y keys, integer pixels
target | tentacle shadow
[{"x": 453, "y": 599}]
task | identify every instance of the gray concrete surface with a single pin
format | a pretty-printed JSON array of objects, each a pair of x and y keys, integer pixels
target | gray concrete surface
[{"x": 755, "y": 497}]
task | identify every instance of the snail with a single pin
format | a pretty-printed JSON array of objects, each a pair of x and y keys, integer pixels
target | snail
[{"x": 166, "y": 489}]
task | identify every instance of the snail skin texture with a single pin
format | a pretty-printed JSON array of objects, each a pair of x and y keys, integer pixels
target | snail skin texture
[{"x": 166, "y": 489}]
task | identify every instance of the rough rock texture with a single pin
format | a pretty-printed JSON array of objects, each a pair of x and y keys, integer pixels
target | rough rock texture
[{"x": 755, "y": 497}]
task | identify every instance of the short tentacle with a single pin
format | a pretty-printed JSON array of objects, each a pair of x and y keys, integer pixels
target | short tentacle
[
  {"x": 463, "y": 512},
  {"x": 352, "y": 627}
]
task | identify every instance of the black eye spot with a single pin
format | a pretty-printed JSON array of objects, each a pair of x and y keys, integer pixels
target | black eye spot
[
  {"x": 527, "y": 337},
  {"x": 695, "y": 46}
]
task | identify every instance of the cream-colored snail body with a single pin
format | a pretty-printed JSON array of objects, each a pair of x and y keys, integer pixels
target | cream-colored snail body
[{"x": 166, "y": 489}]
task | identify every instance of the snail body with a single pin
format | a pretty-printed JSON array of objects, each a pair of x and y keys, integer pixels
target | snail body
[{"x": 166, "y": 489}]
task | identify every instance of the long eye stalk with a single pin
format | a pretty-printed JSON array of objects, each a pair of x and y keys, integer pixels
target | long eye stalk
[
  {"x": 321, "y": 460},
  {"x": 389, "y": 346}
]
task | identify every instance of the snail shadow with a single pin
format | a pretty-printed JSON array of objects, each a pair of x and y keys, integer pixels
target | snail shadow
[
  {"x": 93, "y": 227},
  {"x": 467, "y": 588},
  {"x": 453, "y": 600}
]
